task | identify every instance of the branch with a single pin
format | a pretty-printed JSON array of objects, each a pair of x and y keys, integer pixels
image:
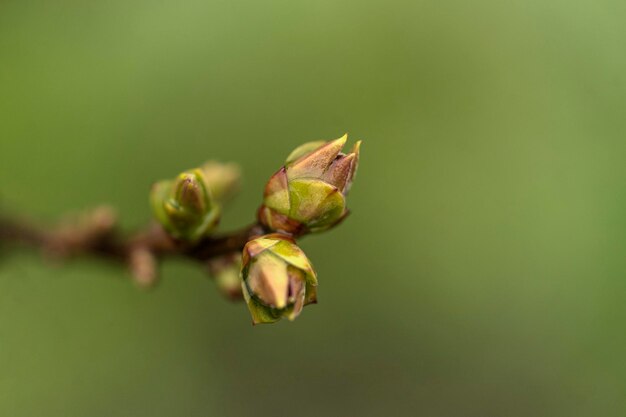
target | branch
[{"x": 96, "y": 234}]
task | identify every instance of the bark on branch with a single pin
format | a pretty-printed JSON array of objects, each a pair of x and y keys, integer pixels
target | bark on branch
[{"x": 97, "y": 234}]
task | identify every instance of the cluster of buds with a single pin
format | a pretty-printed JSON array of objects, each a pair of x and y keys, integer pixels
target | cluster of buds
[{"x": 307, "y": 195}]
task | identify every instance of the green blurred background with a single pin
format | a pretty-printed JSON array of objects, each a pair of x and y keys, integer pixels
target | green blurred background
[{"x": 480, "y": 274}]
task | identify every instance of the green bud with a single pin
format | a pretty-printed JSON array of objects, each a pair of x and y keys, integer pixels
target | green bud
[
  {"x": 222, "y": 179},
  {"x": 226, "y": 273},
  {"x": 308, "y": 193},
  {"x": 277, "y": 279},
  {"x": 184, "y": 206}
]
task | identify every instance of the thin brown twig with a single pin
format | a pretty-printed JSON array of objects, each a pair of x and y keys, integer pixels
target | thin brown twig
[{"x": 96, "y": 234}]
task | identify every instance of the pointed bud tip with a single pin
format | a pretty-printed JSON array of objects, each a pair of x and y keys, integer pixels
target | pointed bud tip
[
  {"x": 340, "y": 172},
  {"x": 185, "y": 182},
  {"x": 315, "y": 161},
  {"x": 342, "y": 140},
  {"x": 190, "y": 192},
  {"x": 187, "y": 177}
]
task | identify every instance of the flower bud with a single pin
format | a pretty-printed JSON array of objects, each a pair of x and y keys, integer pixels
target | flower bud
[
  {"x": 222, "y": 179},
  {"x": 277, "y": 279},
  {"x": 184, "y": 207},
  {"x": 308, "y": 193},
  {"x": 226, "y": 273}
]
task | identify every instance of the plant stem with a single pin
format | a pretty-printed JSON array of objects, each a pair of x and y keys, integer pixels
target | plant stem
[{"x": 96, "y": 234}]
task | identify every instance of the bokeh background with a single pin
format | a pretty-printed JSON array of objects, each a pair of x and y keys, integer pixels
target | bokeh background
[{"x": 482, "y": 272}]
